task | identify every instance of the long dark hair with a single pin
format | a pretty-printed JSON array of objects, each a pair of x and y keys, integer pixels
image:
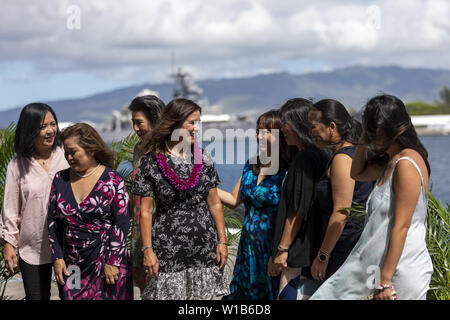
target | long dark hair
[
  {"x": 272, "y": 120},
  {"x": 90, "y": 141},
  {"x": 151, "y": 106},
  {"x": 172, "y": 117},
  {"x": 295, "y": 113},
  {"x": 30, "y": 120},
  {"x": 388, "y": 113},
  {"x": 333, "y": 111}
]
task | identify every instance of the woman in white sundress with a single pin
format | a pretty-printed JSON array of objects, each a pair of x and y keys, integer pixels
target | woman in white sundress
[{"x": 390, "y": 260}]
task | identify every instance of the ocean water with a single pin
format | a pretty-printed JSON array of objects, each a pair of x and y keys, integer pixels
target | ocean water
[
  {"x": 231, "y": 156},
  {"x": 438, "y": 155},
  {"x": 438, "y": 148}
]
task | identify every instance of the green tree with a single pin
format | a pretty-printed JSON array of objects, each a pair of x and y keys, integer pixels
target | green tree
[
  {"x": 420, "y": 108},
  {"x": 444, "y": 104}
]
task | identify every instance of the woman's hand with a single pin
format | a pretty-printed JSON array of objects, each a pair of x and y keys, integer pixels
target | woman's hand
[
  {"x": 9, "y": 254},
  {"x": 272, "y": 269},
  {"x": 60, "y": 270},
  {"x": 151, "y": 264},
  {"x": 279, "y": 263},
  {"x": 318, "y": 269},
  {"x": 111, "y": 274},
  {"x": 385, "y": 292},
  {"x": 222, "y": 254}
]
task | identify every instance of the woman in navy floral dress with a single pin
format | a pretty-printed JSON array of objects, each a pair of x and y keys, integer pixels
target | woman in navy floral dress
[
  {"x": 88, "y": 221},
  {"x": 260, "y": 193}
]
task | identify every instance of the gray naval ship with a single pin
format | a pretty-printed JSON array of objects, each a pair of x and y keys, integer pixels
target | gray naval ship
[{"x": 119, "y": 125}]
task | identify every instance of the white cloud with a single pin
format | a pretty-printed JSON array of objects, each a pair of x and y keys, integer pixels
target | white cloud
[{"x": 223, "y": 37}]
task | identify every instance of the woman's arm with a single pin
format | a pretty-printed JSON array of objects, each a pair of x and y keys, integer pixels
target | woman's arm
[
  {"x": 215, "y": 207},
  {"x": 120, "y": 224},
  {"x": 9, "y": 228},
  {"x": 291, "y": 227},
  {"x": 231, "y": 200},
  {"x": 406, "y": 187},
  {"x": 151, "y": 264},
  {"x": 361, "y": 170},
  {"x": 342, "y": 186},
  {"x": 55, "y": 236}
]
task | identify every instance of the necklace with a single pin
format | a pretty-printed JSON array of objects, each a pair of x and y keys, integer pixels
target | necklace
[
  {"x": 42, "y": 161},
  {"x": 87, "y": 175},
  {"x": 172, "y": 176},
  {"x": 180, "y": 155}
]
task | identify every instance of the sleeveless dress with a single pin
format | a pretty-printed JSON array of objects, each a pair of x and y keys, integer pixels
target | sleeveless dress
[
  {"x": 359, "y": 275},
  {"x": 323, "y": 211}
]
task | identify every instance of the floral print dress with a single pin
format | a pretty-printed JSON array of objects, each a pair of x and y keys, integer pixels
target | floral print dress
[
  {"x": 91, "y": 234},
  {"x": 250, "y": 279},
  {"x": 184, "y": 237}
]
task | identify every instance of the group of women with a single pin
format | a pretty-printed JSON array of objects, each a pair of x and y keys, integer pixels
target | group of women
[{"x": 65, "y": 206}]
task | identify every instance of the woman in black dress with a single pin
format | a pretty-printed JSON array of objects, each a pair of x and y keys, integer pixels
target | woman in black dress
[
  {"x": 292, "y": 243},
  {"x": 333, "y": 128},
  {"x": 184, "y": 241}
]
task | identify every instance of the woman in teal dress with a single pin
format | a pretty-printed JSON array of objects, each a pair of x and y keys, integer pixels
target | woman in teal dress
[{"x": 259, "y": 190}]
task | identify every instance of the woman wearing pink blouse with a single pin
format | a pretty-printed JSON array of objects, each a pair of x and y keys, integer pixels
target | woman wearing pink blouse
[{"x": 23, "y": 225}]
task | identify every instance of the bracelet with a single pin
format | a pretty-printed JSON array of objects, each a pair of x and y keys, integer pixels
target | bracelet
[
  {"x": 382, "y": 286},
  {"x": 145, "y": 248},
  {"x": 224, "y": 243}
]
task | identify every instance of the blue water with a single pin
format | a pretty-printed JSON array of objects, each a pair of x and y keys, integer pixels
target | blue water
[{"x": 438, "y": 155}]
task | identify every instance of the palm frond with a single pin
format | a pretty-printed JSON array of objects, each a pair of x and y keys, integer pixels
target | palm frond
[
  {"x": 357, "y": 215},
  {"x": 233, "y": 227},
  {"x": 437, "y": 238},
  {"x": 6, "y": 154},
  {"x": 124, "y": 149}
]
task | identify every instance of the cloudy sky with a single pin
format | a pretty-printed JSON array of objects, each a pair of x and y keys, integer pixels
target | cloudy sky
[{"x": 70, "y": 48}]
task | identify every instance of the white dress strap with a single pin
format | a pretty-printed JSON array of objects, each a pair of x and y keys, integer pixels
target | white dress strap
[
  {"x": 414, "y": 163},
  {"x": 420, "y": 172}
]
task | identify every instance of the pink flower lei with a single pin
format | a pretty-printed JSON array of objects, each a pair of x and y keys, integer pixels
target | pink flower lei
[{"x": 174, "y": 179}]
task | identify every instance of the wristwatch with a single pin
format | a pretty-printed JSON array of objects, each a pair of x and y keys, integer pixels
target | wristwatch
[
  {"x": 281, "y": 249},
  {"x": 323, "y": 256}
]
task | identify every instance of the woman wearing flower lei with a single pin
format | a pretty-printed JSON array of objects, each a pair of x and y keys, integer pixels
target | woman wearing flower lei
[{"x": 184, "y": 241}]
